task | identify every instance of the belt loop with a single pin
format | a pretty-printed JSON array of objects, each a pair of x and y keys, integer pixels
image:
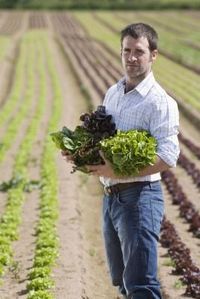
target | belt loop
[{"x": 150, "y": 185}]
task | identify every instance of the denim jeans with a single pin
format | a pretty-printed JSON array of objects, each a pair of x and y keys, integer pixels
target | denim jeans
[{"x": 131, "y": 227}]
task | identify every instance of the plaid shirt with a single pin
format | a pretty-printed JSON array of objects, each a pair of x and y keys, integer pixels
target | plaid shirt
[{"x": 146, "y": 107}]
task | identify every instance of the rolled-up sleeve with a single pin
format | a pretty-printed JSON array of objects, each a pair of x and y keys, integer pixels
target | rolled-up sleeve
[{"x": 164, "y": 126}]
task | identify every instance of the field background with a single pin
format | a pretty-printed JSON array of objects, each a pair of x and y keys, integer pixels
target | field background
[{"x": 54, "y": 65}]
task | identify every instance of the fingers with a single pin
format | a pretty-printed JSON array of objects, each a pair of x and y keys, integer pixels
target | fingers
[
  {"x": 94, "y": 170},
  {"x": 67, "y": 157},
  {"x": 64, "y": 153},
  {"x": 102, "y": 154}
]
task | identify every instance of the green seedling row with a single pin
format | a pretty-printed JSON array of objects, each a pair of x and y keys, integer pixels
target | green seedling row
[
  {"x": 181, "y": 89},
  {"x": 18, "y": 85},
  {"x": 4, "y": 46},
  {"x": 24, "y": 110},
  {"x": 97, "y": 31},
  {"x": 40, "y": 277},
  {"x": 11, "y": 218}
]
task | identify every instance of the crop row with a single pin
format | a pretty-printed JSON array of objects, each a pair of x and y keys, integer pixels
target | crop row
[
  {"x": 4, "y": 45},
  {"x": 17, "y": 86},
  {"x": 187, "y": 209},
  {"x": 11, "y": 217},
  {"x": 190, "y": 145},
  {"x": 190, "y": 168},
  {"x": 182, "y": 261},
  {"x": 11, "y": 24},
  {"x": 24, "y": 110},
  {"x": 37, "y": 20},
  {"x": 16, "y": 89},
  {"x": 46, "y": 250}
]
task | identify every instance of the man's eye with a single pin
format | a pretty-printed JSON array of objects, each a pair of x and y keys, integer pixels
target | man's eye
[
  {"x": 139, "y": 52},
  {"x": 126, "y": 51}
]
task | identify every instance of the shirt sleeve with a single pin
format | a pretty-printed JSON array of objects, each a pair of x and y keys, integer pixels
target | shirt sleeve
[{"x": 164, "y": 125}]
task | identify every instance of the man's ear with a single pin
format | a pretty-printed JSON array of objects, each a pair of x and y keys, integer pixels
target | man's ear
[{"x": 154, "y": 55}]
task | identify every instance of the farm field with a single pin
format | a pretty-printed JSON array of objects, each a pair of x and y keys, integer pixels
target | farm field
[{"x": 53, "y": 67}]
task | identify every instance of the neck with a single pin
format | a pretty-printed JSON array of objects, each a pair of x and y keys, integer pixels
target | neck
[
  {"x": 129, "y": 86},
  {"x": 131, "y": 83}
]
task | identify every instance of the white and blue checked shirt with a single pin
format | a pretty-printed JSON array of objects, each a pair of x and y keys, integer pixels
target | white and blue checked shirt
[{"x": 146, "y": 107}]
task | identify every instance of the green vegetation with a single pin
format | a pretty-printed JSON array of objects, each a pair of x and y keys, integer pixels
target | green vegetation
[
  {"x": 4, "y": 45},
  {"x": 11, "y": 217},
  {"x": 100, "y": 4},
  {"x": 16, "y": 181},
  {"x": 46, "y": 250},
  {"x": 24, "y": 109},
  {"x": 18, "y": 83}
]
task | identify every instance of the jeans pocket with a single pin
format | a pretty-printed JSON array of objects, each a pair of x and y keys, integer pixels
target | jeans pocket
[{"x": 128, "y": 197}]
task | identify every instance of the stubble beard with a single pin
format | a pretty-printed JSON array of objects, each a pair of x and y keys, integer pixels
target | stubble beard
[{"x": 136, "y": 77}]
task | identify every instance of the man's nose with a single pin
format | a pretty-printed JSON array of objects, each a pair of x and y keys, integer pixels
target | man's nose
[{"x": 132, "y": 57}]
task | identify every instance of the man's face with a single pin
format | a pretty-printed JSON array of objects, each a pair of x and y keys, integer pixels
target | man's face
[{"x": 136, "y": 57}]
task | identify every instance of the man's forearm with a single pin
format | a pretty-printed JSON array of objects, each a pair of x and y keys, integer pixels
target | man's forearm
[
  {"x": 107, "y": 171},
  {"x": 159, "y": 166}
]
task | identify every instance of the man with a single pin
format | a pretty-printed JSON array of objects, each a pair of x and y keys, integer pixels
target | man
[{"x": 133, "y": 207}]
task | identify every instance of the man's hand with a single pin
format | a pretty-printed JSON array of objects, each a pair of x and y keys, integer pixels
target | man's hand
[
  {"x": 67, "y": 156},
  {"x": 103, "y": 169}
]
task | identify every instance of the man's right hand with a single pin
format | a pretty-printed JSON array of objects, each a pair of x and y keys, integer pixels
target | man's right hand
[{"x": 67, "y": 156}]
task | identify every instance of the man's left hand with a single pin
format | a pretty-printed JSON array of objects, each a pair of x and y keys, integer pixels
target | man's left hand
[{"x": 104, "y": 170}]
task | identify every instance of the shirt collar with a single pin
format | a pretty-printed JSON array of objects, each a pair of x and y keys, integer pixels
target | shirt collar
[{"x": 142, "y": 88}]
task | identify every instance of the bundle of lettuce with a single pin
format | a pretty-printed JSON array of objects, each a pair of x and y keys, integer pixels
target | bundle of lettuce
[
  {"x": 128, "y": 152},
  {"x": 83, "y": 144}
]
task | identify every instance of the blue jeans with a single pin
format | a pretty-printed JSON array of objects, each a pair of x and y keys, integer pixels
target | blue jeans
[{"x": 131, "y": 227}]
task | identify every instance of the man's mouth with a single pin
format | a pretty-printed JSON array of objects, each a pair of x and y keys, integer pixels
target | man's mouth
[{"x": 132, "y": 65}]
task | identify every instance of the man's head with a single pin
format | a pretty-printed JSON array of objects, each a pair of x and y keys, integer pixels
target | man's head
[
  {"x": 138, "y": 51},
  {"x": 138, "y": 30}
]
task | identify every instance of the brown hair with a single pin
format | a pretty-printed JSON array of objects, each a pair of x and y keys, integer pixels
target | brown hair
[{"x": 141, "y": 30}]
